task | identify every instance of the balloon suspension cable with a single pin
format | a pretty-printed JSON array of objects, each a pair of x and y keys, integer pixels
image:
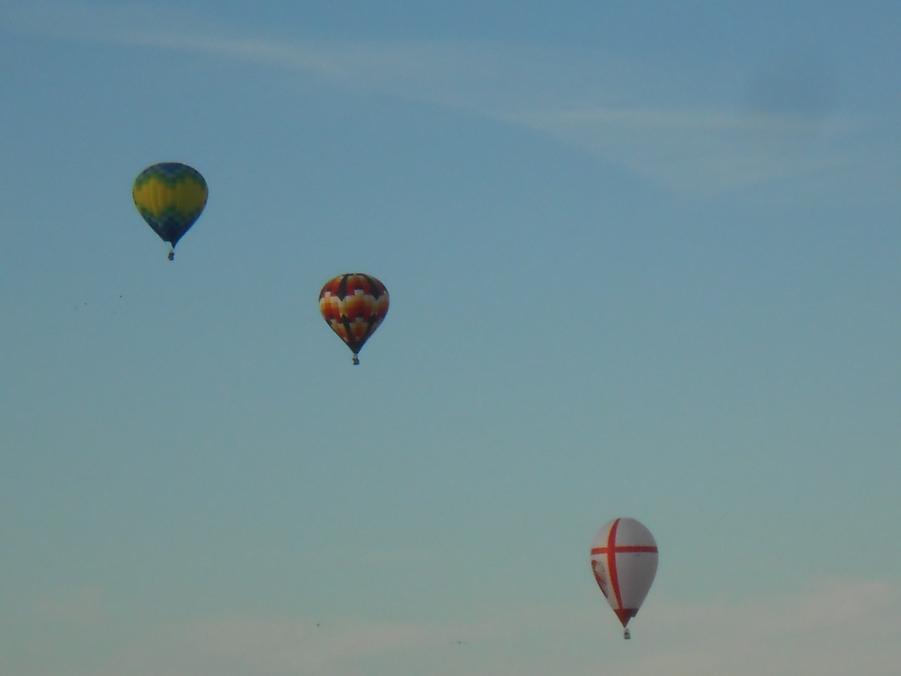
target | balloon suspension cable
[
  {"x": 626, "y": 634},
  {"x": 356, "y": 359}
]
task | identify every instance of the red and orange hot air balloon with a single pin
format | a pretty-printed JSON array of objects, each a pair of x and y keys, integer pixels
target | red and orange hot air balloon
[{"x": 354, "y": 305}]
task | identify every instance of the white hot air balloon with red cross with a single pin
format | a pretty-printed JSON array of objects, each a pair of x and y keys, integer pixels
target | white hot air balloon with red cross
[{"x": 624, "y": 562}]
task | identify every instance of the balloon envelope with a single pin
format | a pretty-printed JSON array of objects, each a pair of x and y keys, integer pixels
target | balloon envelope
[
  {"x": 170, "y": 196},
  {"x": 354, "y": 305},
  {"x": 624, "y": 563}
]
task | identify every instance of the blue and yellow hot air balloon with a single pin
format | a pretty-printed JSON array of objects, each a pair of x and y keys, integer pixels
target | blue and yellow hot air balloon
[{"x": 170, "y": 197}]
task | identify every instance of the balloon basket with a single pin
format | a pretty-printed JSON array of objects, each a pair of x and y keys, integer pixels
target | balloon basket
[{"x": 627, "y": 634}]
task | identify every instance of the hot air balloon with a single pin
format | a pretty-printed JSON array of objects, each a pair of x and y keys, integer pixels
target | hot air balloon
[
  {"x": 624, "y": 562},
  {"x": 170, "y": 197},
  {"x": 353, "y": 305}
]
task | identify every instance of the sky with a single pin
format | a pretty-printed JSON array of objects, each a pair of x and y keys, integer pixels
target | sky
[{"x": 644, "y": 260}]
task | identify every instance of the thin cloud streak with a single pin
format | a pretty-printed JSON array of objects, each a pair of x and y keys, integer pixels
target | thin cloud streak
[
  {"x": 700, "y": 150},
  {"x": 692, "y": 150},
  {"x": 139, "y": 26}
]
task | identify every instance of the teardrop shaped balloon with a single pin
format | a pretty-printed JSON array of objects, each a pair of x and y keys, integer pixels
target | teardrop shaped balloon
[
  {"x": 170, "y": 196},
  {"x": 624, "y": 563},
  {"x": 354, "y": 305}
]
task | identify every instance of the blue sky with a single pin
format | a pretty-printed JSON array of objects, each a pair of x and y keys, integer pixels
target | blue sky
[{"x": 643, "y": 261}]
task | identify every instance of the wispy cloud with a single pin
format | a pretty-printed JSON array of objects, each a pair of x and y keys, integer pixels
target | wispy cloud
[
  {"x": 832, "y": 628},
  {"x": 140, "y": 26},
  {"x": 700, "y": 150},
  {"x": 622, "y": 113}
]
